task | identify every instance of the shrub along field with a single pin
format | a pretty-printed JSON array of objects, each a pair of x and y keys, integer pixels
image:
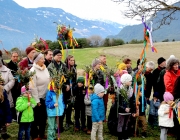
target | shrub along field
[{"x": 114, "y": 54}]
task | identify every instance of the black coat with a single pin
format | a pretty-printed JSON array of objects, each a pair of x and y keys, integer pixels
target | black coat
[
  {"x": 5, "y": 112},
  {"x": 79, "y": 93},
  {"x": 47, "y": 62},
  {"x": 156, "y": 74},
  {"x": 13, "y": 67},
  {"x": 98, "y": 77},
  {"x": 149, "y": 84}
]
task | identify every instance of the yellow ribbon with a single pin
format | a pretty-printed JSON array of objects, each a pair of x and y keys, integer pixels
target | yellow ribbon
[{"x": 61, "y": 49}]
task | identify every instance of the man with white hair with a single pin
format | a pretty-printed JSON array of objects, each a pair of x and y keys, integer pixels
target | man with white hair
[{"x": 149, "y": 79}]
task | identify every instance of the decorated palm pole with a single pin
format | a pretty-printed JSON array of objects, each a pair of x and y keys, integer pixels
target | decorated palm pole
[
  {"x": 56, "y": 83},
  {"x": 139, "y": 79},
  {"x": 65, "y": 38}
]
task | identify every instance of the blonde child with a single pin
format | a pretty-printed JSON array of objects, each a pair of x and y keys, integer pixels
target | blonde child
[{"x": 25, "y": 105}]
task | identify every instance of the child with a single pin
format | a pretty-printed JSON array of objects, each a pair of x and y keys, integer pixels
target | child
[
  {"x": 165, "y": 113},
  {"x": 79, "y": 93},
  {"x": 25, "y": 105},
  {"x": 153, "y": 110},
  {"x": 126, "y": 106},
  {"x": 87, "y": 102},
  {"x": 5, "y": 113},
  {"x": 55, "y": 108},
  {"x": 98, "y": 111}
]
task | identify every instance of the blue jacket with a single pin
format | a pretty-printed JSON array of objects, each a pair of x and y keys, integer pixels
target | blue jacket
[
  {"x": 51, "y": 99},
  {"x": 98, "y": 111},
  {"x": 5, "y": 112},
  {"x": 153, "y": 109}
]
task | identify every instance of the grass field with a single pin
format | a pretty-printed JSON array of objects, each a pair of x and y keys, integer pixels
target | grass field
[{"x": 114, "y": 54}]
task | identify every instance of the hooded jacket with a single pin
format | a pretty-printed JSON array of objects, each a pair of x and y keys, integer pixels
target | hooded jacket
[
  {"x": 51, "y": 99},
  {"x": 26, "y": 112},
  {"x": 98, "y": 111}
]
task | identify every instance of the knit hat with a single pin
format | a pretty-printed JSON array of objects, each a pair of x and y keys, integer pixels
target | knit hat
[
  {"x": 168, "y": 96},
  {"x": 95, "y": 62},
  {"x": 126, "y": 78},
  {"x": 56, "y": 51},
  {"x": 98, "y": 88},
  {"x": 23, "y": 90},
  {"x": 156, "y": 94},
  {"x": 29, "y": 49},
  {"x": 80, "y": 79},
  {"x": 160, "y": 60}
]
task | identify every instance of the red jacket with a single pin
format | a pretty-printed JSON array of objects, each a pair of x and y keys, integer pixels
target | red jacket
[
  {"x": 169, "y": 80},
  {"x": 25, "y": 63}
]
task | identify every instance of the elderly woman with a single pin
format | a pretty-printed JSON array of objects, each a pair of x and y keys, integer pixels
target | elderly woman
[
  {"x": 7, "y": 81},
  {"x": 149, "y": 78},
  {"x": 39, "y": 86},
  {"x": 172, "y": 72}
]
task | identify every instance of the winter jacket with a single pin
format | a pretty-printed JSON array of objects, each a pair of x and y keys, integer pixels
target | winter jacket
[
  {"x": 51, "y": 99},
  {"x": 8, "y": 82},
  {"x": 61, "y": 68},
  {"x": 13, "y": 67},
  {"x": 160, "y": 84},
  {"x": 39, "y": 83},
  {"x": 25, "y": 63},
  {"x": 5, "y": 112},
  {"x": 169, "y": 80},
  {"x": 123, "y": 104},
  {"x": 47, "y": 62},
  {"x": 98, "y": 110},
  {"x": 156, "y": 74},
  {"x": 87, "y": 101},
  {"x": 79, "y": 93},
  {"x": 149, "y": 84},
  {"x": 164, "y": 119},
  {"x": 153, "y": 109},
  {"x": 68, "y": 94},
  {"x": 98, "y": 77},
  {"x": 26, "y": 112}
]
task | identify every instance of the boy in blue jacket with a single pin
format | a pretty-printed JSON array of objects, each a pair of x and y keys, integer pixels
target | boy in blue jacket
[
  {"x": 98, "y": 111},
  {"x": 54, "y": 107}
]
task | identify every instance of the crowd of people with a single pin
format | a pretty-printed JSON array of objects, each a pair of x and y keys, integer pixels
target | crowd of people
[{"x": 49, "y": 103}]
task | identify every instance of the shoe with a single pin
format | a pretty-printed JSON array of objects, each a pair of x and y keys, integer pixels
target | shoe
[
  {"x": 37, "y": 139},
  {"x": 89, "y": 132},
  {"x": 84, "y": 129},
  {"x": 45, "y": 137},
  {"x": 5, "y": 136},
  {"x": 13, "y": 120},
  {"x": 76, "y": 129}
]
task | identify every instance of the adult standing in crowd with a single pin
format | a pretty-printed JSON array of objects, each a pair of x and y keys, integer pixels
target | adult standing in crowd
[
  {"x": 102, "y": 58},
  {"x": 68, "y": 96},
  {"x": 160, "y": 81},
  {"x": 16, "y": 90},
  {"x": 149, "y": 79},
  {"x": 60, "y": 67},
  {"x": 161, "y": 65},
  {"x": 128, "y": 63},
  {"x": 7, "y": 81},
  {"x": 137, "y": 65},
  {"x": 38, "y": 88},
  {"x": 48, "y": 57},
  {"x": 28, "y": 61},
  {"x": 172, "y": 72},
  {"x": 103, "y": 68}
]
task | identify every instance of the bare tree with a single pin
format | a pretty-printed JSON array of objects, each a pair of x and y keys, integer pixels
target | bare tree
[
  {"x": 149, "y": 9},
  {"x": 95, "y": 40}
]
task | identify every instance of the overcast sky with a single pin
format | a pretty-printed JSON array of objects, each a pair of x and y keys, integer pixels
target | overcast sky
[{"x": 88, "y": 9}]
